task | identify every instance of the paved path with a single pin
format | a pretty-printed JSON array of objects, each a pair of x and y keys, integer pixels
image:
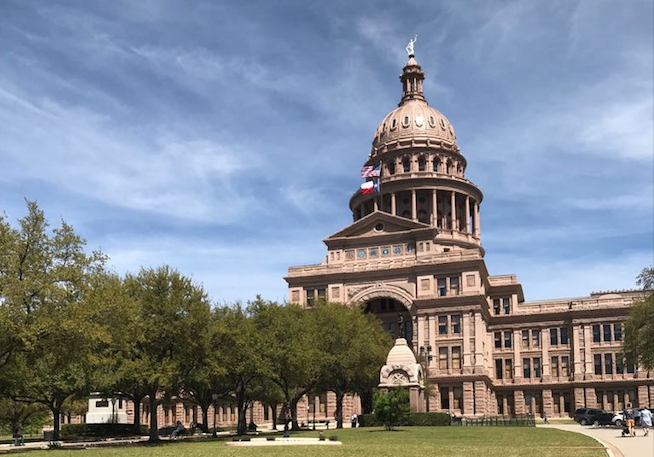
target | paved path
[{"x": 639, "y": 446}]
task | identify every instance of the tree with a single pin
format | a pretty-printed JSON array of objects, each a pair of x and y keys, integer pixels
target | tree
[
  {"x": 44, "y": 291},
  {"x": 391, "y": 407},
  {"x": 16, "y": 413},
  {"x": 171, "y": 312},
  {"x": 291, "y": 357},
  {"x": 354, "y": 346},
  {"x": 639, "y": 327}
]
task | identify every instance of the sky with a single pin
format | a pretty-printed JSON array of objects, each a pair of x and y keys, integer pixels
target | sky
[{"x": 226, "y": 138}]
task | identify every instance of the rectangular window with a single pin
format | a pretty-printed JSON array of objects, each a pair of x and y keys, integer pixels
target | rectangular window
[
  {"x": 310, "y": 297},
  {"x": 322, "y": 294},
  {"x": 102, "y": 403},
  {"x": 619, "y": 366},
  {"x": 608, "y": 363},
  {"x": 442, "y": 287},
  {"x": 525, "y": 338},
  {"x": 508, "y": 338},
  {"x": 630, "y": 364},
  {"x": 537, "y": 372},
  {"x": 498, "y": 340},
  {"x": 565, "y": 366},
  {"x": 596, "y": 333},
  {"x": 526, "y": 368},
  {"x": 442, "y": 358},
  {"x": 506, "y": 305},
  {"x": 454, "y": 285},
  {"x": 607, "y": 332},
  {"x": 617, "y": 332},
  {"x": 564, "y": 335},
  {"x": 496, "y": 306},
  {"x": 456, "y": 357},
  {"x": 555, "y": 366},
  {"x": 498, "y": 368},
  {"x": 556, "y": 403},
  {"x": 445, "y": 398},
  {"x": 597, "y": 359},
  {"x": 458, "y": 397},
  {"x": 456, "y": 324},
  {"x": 535, "y": 338},
  {"x": 442, "y": 325},
  {"x": 508, "y": 368},
  {"x": 554, "y": 337}
]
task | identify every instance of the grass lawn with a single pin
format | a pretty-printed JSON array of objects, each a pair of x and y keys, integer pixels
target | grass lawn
[{"x": 374, "y": 442}]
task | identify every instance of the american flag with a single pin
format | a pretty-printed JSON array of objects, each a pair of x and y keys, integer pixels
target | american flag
[{"x": 371, "y": 171}]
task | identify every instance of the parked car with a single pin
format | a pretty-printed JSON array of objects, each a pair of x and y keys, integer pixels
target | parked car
[
  {"x": 586, "y": 416},
  {"x": 603, "y": 419},
  {"x": 619, "y": 420}
]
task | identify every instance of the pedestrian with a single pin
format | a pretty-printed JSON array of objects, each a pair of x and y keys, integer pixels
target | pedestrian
[
  {"x": 545, "y": 418},
  {"x": 179, "y": 428},
  {"x": 646, "y": 420},
  {"x": 353, "y": 420},
  {"x": 629, "y": 416},
  {"x": 18, "y": 434}
]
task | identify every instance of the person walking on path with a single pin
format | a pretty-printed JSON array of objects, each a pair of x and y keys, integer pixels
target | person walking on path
[
  {"x": 646, "y": 420},
  {"x": 629, "y": 416},
  {"x": 18, "y": 434}
]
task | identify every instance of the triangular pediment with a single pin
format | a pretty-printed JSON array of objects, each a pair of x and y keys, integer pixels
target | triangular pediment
[{"x": 377, "y": 224}]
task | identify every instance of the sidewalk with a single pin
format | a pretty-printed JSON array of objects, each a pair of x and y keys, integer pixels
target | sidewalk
[{"x": 639, "y": 446}]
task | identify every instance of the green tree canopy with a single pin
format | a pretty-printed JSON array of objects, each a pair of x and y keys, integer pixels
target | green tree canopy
[
  {"x": 639, "y": 327},
  {"x": 391, "y": 407}
]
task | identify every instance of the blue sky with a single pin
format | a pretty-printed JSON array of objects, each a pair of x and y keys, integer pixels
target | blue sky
[{"x": 225, "y": 138}]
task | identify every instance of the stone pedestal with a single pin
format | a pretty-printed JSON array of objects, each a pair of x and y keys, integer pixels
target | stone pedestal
[{"x": 402, "y": 370}]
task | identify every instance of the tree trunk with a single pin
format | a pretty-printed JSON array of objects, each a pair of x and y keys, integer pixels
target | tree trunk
[
  {"x": 339, "y": 408},
  {"x": 273, "y": 406},
  {"x": 293, "y": 406},
  {"x": 205, "y": 417},
  {"x": 154, "y": 429},
  {"x": 56, "y": 415},
  {"x": 137, "y": 412},
  {"x": 241, "y": 425}
]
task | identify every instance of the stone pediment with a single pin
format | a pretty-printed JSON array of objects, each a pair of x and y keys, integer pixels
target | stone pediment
[{"x": 376, "y": 224}]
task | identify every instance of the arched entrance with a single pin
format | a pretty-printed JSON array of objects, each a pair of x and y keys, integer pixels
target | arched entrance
[{"x": 388, "y": 310}]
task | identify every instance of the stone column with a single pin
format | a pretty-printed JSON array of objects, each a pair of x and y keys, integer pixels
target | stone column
[
  {"x": 453, "y": 210},
  {"x": 468, "y": 214},
  {"x": 465, "y": 334},
  {"x": 545, "y": 358},
  {"x": 420, "y": 330},
  {"x": 477, "y": 221},
  {"x": 579, "y": 398},
  {"x": 591, "y": 399},
  {"x": 548, "y": 404},
  {"x": 479, "y": 347},
  {"x": 576, "y": 353},
  {"x": 519, "y": 402},
  {"x": 414, "y": 209},
  {"x": 588, "y": 355},
  {"x": 517, "y": 359},
  {"x": 393, "y": 207},
  {"x": 468, "y": 398},
  {"x": 375, "y": 204},
  {"x": 434, "y": 208},
  {"x": 505, "y": 405},
  {"x": 643, "y": 397},
  {"x": 480, "y": 399}
]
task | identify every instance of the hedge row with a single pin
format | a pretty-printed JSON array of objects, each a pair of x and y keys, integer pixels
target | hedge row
[
  {"x": 77, "y": 431},
  {"x": 422, "y": 419}
]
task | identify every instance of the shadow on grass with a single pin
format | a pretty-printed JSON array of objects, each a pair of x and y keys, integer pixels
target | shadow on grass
[{"x": 384, "y": 430}]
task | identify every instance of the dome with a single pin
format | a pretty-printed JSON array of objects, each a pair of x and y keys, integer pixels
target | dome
[
  {"x": 401, "y": 354},
  {"x": 414, "y": 118}
]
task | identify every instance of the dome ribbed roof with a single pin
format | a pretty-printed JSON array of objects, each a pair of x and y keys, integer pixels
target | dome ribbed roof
[
  {"x": 401, "y": 354},
  {"x": 414, "y": 118}
]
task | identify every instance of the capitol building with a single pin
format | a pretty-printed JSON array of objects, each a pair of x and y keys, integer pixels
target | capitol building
[{"x": 414, "y": 249}]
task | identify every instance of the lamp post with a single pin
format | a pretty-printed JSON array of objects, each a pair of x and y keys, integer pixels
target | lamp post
[
  {"x": 314, "y": 413},
  {"x": 214, "y": 397},
  {"x": 113, "y": 410},
  {"x": 425, "y": 353}
]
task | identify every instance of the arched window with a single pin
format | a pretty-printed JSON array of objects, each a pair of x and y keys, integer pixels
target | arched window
[
  {"x": 391, "y": 167},
  {"x": 393, "y": 124},
  {"x": 422, "y": 163},
  {"x": 448, "y": 167},
  {"x": 436, "y": 165},
  {"x": 406, "y": 165},
  {"x": 406, "y": 121}
]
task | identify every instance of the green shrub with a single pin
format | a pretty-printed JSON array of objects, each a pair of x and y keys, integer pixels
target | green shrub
[
  {"x": 391, "y": 407},
  {"x": 82, "y": 431},
  {"x": 421, "y": 419}
]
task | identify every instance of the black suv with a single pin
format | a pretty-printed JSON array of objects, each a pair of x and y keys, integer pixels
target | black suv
[{"x": 586, "y": 416}]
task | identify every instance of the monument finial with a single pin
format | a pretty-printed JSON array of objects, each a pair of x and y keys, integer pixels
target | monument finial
[{"x": 409, "y": 47}]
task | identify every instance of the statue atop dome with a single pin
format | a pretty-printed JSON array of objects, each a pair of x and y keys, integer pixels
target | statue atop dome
[{"x": 409, "y": 47}]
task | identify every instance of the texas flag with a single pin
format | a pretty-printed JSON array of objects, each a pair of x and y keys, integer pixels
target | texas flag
[
  {"x": 371, "y": 171},
  {"x": 370, "y": 187}
]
